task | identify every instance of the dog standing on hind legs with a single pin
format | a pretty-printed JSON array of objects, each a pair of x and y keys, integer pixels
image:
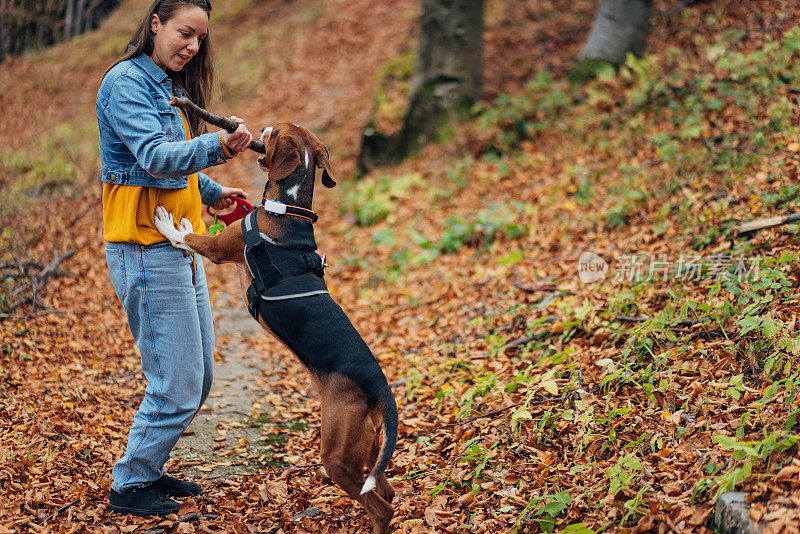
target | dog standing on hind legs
[{"x": 282, "y": 278}]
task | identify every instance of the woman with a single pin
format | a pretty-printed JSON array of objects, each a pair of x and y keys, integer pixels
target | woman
[{"x": 149, "y": 157}]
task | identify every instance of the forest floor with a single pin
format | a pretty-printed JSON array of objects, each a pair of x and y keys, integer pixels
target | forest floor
[{"x": 531, "y": 398}]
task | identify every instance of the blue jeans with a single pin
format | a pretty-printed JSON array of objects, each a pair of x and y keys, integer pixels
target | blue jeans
[{"x": 170, "y": 319}]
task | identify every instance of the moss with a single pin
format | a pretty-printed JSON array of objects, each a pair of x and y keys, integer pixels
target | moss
[
  {"x": 588, "y": 69},
  {"x": 434, "y": 111}
]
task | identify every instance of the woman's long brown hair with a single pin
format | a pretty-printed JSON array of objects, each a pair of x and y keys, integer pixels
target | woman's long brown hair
[{"x": 196, "y": 78}]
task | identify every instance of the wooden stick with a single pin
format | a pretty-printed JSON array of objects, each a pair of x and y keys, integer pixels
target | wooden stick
[
  {"x": 311, "y": 511},
  {"x": 30, "y": 289},
  {"x": 493, "y": 414},
  {"x": 518, "y": 342},
  {"x": 59, "y": 511},
  {"x": 275, "y": 470},
  {"x": 52, "y": 269},
  {"x": 194, "y": 517},
  {"x": 769, "y": 222},
  {"x": 549, "y": 287},
  {"x": 227, "y": 124},
  {"x": 684, "y": 322}
]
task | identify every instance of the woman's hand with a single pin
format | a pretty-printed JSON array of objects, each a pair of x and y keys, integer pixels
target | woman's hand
[
  {"x": 225, "y": 200},
  {"x": 239, "y": 140}
]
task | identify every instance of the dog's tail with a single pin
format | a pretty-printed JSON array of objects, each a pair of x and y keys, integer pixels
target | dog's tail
[{"x": 388, "y": 409}]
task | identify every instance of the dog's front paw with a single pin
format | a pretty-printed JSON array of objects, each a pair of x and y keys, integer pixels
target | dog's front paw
[
  {"x": 186, "y": 226},
  {"x": 166, "y": 225},
  {"x": 164, "y": 221}
]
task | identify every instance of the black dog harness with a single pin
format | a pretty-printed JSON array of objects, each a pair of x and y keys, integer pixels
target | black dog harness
[{"x": 278, "y": 272}]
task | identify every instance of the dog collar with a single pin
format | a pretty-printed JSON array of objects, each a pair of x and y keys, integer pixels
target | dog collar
[{"x": 279, "y": 208}]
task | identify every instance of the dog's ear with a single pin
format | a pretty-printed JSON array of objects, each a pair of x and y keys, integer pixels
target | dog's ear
[
  {"x": 282, "y": 155},
  {"x": 321, "y": 159}
]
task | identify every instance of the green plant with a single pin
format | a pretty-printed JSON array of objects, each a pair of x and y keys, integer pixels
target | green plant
[
  {"x": 216, "y": 227},
  {"x": 545, "y": 510},
  {"x": 735, "y": 387},
  {"x": 760, "y": 334},
  {"x": 478, "y": 457},
  {"x": 632, "y": 505},
  {"x": 496, "y": 220},
  {"x": 372, "y": 199},
  {"x": 441, "y": 487},
  {"x": 482, "y": 386},
  {"x": 745, "y": 454},
  {"x": 623, "y": 207},
  {"x": 622, "y": 476},
  {"x": 623, "y": 473},
  {"x": 384, "y": 236}
]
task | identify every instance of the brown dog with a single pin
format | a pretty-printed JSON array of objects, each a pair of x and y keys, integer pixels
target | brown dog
[{"x": 281, "y": 277}]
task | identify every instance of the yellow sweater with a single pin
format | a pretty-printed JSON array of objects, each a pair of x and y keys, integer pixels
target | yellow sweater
[{"x": 128, "y": 210}]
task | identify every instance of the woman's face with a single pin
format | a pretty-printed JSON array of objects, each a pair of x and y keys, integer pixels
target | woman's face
[{"x": 178, "y": 39}]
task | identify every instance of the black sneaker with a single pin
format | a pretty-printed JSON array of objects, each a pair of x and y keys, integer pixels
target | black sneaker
[
  {"x": 142, "y": 501},
  {"x": 176, "y": 488}
]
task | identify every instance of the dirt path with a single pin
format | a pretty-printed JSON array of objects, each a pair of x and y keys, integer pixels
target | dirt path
[{"x": 225, "y": 434}]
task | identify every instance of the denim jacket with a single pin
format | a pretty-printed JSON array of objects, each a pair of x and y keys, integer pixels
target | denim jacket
[{"x": 142, "y": 138}]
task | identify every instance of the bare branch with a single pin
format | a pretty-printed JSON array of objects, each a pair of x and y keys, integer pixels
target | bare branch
[
  {"x": 548, "y": 287},
  {"x": 30, "y": 287},
  {"x": 59, "y": 511},
  {"x": 760, "y": 224}
]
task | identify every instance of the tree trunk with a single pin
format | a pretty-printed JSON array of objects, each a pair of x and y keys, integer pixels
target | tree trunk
[
  {"x": 620, "y": 26},
  {"x": 40, "y": 30},
  {"x": 51, "y": 20},
  {"x": 5, "y": 38},
  {"x": 91, "y": 17},
  {"x": 69, "y": 20},
  {"x": 446, "y": 82},
  {"x": 80, "y": 25},
  {"x": 28, "y": 24}
]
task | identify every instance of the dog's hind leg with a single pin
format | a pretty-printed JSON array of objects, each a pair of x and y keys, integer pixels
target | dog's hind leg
[{"x": 346, "y": 447}]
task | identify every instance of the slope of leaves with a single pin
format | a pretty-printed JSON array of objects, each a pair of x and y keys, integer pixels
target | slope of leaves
[{"x": 529, "y": 401}]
